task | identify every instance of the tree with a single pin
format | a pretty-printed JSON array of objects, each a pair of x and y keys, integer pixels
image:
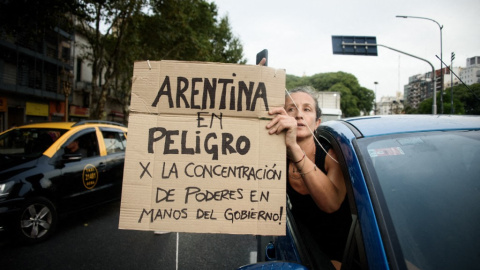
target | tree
[
  {"x": 469, "y": 97},
  {"x": 293, "y": 81},
  {"x": 366, "y": 98},
  {"x": 348, "y": 102},
  {"x": 465, "y": 101},
  {"x": 174, "y": 30},
  {"x": 188, "y": 30},
  {"x": 106, "y": 46},
  {"x": 354, "y": 98}
]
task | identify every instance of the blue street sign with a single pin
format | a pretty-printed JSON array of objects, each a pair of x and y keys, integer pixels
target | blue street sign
[{"x": 351, "y": 45}]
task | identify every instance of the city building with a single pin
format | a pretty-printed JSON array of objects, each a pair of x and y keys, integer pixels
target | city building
[
  {"x": 47, "y": 78},
  {"x": 450, "y": 77},
  {"x": 390, "y": 105},
  {"x": 417, "y": 89},
  {"x": 419, "y": 86},
  {"x": 35, "y": 76},
  {"x": 471, "y": 73},
  {"x": 329, "y": 102}
]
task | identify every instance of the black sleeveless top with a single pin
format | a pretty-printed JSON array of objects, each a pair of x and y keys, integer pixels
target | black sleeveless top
[{"x": 328, "y": 231}]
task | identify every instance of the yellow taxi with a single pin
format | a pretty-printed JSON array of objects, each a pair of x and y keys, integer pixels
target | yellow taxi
[{"x": 48, "y": 169}]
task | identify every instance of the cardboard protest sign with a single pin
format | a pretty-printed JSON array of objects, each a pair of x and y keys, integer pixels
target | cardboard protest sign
[{"x": 199, "y": 158}]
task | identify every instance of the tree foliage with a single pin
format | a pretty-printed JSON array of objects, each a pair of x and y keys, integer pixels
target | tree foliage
[
  {"x": 466, "y": 100},
  {"x": 187, "y": 30},
  {"x": 105, "y": 24},
  {"x": 121, "y": 32},
  {"x": 355, "y": 99}
]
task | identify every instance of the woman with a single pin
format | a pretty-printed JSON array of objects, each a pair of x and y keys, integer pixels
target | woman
[{"x": 315, "y": 183}]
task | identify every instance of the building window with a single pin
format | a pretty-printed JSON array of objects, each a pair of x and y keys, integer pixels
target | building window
[
  {"x": 65, "y": 54},
  {"x": 79, "y": 69}
]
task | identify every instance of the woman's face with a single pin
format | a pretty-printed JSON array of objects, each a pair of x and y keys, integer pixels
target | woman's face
[{"x": 305, "y": 114}]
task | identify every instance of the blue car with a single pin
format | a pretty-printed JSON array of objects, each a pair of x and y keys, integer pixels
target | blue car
[{"x": 413, "y": 186}]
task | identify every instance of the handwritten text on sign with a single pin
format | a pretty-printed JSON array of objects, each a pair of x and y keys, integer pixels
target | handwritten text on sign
[{"x": 199, "y": 158}]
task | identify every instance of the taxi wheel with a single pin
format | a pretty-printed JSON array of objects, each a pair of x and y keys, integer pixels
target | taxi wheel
[{"x": 37, "y": 221}]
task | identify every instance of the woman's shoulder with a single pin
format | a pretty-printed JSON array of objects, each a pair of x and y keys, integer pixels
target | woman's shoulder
[{"x": 322, "y": 147}]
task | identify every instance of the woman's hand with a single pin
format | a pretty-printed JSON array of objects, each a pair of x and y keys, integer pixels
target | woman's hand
[
  {"x": 283, "y": 122},
  {"x": 262, "y": 62}
]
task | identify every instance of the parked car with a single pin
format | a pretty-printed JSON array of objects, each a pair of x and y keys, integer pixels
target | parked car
[
  {"x": 413, "y": 186},
  {"x": 41, "y": 176}
]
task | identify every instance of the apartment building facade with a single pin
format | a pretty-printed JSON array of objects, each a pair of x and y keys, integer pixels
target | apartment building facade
[
  {"x": 46, "y": 79},
  {"x": 419, "y": 86}
]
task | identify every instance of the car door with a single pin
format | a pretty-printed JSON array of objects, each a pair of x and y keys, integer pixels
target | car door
[
  {"x": 115, "y": 142},
  {"x": 354, "y": 256},
  {"x": 81, "y": 182}
]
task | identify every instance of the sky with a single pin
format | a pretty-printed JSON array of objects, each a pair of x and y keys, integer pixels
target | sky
[{"x": 298, "y": 36}]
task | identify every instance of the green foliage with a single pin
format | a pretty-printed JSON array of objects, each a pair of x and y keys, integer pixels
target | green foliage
[
  {"x": 171, "y": 30},
  {"x": 468, "y": 97},
  {"x": 465, "y": 101},
  {"x": 354, "y": 98},
  {"x": 293, "y": 81},
  {"x": 187, "y": 30}
]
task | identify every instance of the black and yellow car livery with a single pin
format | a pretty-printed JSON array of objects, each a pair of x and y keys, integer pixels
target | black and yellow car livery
[{"x": 42, "y": 178}]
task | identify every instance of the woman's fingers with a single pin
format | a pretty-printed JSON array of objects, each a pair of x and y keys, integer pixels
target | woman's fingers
[
  {"x": 262, "y": 62},
  {"x": 277, "y": 110},
  {"x": 280, "y": 123}
]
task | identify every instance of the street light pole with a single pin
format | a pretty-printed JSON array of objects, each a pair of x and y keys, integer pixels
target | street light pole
[
  {"x": 441, "y": 53},
  {"x": 452, "y": 109},
  {"x": 434, "y": 106},
  {"x": 67, "y": 76},
  {"x": 375, "y": 112}
]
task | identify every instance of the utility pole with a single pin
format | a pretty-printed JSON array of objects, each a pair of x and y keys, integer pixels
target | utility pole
[
  {"x": 441, "y": 53},
  {"x": 364, "y": 47},
  {"x": 452, "y": 109}
]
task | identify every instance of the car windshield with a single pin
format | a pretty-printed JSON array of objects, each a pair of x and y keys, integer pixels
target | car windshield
[
  {"x": 431, "y": 188},
  {"x": 28, "y": 142}
]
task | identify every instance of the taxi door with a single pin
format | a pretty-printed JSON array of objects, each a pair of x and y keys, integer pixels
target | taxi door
[
  {"x": 114, "y": 142},
  {"x": 81, "y": 181}
]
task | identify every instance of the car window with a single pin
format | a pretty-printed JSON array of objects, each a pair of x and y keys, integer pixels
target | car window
[
  {"x": 87, "y": 144},
  {"x": 28, "y": 142},
  {"x": 115, "y": 141},
  {"x": 429, "y": 182}
]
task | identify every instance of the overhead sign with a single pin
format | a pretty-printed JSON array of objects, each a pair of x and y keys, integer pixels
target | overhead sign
[
  {"x": 199, "y": 158},
  {"x": 352, "y": 45}
]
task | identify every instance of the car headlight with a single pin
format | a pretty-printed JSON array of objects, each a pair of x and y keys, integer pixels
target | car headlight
[{"x": 5, "y": 189}]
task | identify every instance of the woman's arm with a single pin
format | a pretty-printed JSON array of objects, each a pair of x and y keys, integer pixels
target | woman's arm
[{"x": 328, "y": 191}]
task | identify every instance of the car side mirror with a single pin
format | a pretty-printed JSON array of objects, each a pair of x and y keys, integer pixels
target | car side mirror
[{"x": 72, "y": 157}]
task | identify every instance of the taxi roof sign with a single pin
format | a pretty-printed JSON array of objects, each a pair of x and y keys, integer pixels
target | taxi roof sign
[{"x": 352, "y": 45}]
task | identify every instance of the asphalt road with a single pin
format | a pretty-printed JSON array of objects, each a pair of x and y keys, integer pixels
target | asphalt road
[{"x": 91, "y": 240}]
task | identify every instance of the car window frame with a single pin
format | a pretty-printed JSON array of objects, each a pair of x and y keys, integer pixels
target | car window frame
[
  {"x": 355, "y": 244},
  {"x": 61, "y": 148},
  {"x": 115, "y": 130},
  {"x": 385, "y": 223}
]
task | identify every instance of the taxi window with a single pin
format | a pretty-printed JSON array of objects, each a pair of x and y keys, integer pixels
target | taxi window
[
  {"x": 85, "y": 144},
  {"x": 115, "y": 142},
  {"x": 28, "y": 142}
]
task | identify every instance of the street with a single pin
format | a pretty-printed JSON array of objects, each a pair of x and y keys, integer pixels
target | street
[{"x": 91, "y": 240}]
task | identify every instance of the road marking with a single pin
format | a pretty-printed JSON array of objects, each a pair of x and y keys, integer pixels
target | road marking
[
  {"x": 253, "y": 257},
  {"x": 176, "y": 266}
]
